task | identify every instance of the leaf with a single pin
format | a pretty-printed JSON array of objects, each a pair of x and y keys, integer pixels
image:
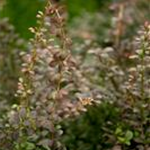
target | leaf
[
  {"x": 30, "y": 146},
  {"x": 127, "y": 143},
  {"x": 121, "y": 139},
  {"x": 46, "y": 148},
  {"x": 118, "y": 131},
  {"x": 129, "y": 135}
]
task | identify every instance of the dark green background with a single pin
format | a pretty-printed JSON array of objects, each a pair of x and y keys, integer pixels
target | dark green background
[{"x": 22, "y": 13}]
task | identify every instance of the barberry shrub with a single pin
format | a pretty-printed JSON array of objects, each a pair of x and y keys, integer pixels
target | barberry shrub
[
  {"x": 10, "y": 46},
  {"x": 60, "y": 79},
  {"x": 51, "y": 88}
]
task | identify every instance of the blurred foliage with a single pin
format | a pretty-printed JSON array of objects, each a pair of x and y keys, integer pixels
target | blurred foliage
[
  {"x": 92, "y": 131},
  {"x": 107, "y": 67},
  {"x": 22, "y": 14},
  {"x": 10, "y": 47},
  {"x": 78, "y": 7}
]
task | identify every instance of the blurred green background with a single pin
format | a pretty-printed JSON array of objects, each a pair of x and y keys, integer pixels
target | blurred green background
[{"x": 22, "y": 14}]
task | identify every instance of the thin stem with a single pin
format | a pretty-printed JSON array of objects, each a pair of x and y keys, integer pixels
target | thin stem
[{"x": 142, "y": 73}]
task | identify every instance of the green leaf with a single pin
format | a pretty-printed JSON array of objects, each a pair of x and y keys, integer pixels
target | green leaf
[
  {"x": 129, "y": 135},
  {"x": 136, "y": 134},
  {"x": 30, "y": 146},
  {"x": 121, "y": 139},
  {"x": 127, "y": 143},
  {"x": 118, "y": 131}
]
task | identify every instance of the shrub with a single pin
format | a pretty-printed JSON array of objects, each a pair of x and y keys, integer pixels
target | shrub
[
  {"x": 10, "y": 46},
  {"x": 110, "y": 83}
]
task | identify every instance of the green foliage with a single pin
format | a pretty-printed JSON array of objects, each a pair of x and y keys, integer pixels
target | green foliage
[
  {"x": 124, "y": 137},
  {"x": 78, "y": 7},
  {"x": 22, "y": 14},
  {"x": 24, "y": 146},
  {"x": 92, "y": 130}
]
